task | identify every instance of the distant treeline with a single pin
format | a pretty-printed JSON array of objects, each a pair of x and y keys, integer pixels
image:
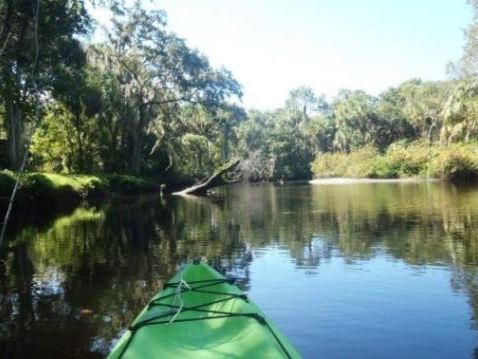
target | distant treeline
[{"x": 144, "y": 103}]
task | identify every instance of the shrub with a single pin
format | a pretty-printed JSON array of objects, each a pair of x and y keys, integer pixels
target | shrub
[
  {"x": 7, "y": 182},
  {"x": 358, "y": 163},
  {"x": 407, "y": 161},
  {"x": 56, "y": 187},
  {"x": 381, "y": 168},
  {"x": 328, "y": 165},
  {"x": 39, "y": 185},
  {"x": 125, "y": 184},
  {"x": 456, "y": 163}
]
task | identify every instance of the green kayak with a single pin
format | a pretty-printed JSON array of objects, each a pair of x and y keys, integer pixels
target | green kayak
[{"x": 201, "y": 314}]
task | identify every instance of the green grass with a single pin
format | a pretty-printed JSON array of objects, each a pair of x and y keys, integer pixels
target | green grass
[
  {"x": 73, "y": 187},
  {"x": 456, "y": 162}
]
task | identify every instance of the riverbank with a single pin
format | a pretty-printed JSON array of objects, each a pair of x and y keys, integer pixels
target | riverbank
[
  {"x": 345, "y": 181},
  {"x": 454, "y": 163},
  {"x": 73, "y": 188}
]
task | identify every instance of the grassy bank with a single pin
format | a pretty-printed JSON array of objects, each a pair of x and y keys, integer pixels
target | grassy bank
[
  {"x": 57, "y": 187},
  {"x": 457, "y": 162}
]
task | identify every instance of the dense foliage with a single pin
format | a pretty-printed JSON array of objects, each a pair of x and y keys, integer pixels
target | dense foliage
[
  {"x": 53, "y": 188},
  {"x": 455, "y": 162},
  {"x": 140, "y": 102},
  {"x": 143, "y": 102}
]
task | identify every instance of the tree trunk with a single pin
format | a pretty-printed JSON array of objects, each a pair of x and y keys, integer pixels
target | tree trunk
[
  {"x": 14, "y": 98},
  {"x": 138, "y": 139},
  {"x": 79, "y": 138},
  {"x": 430, "y": 131},
  {"x": 213, "y": 181},
  {"x": 136, "y": 153},
  {"x": 225, "y": 143},
  {"x": 15, "y": 141}
]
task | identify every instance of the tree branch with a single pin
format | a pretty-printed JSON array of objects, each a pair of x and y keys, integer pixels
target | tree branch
[{"x": 213, "y": 181}]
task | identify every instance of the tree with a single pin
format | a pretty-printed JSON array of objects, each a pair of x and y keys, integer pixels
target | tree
[
  {"x": 423, "y": 104},
  {"x": 356, "y": 120},
  {"x": 115, "y": 112},
  {"x": 467, "y": 65},
  {"x": 298, "y": 131},
  {"x": 303, "y": 99},
  {"x": 460, "y": 113},
  {"x": 157, "y": 70},
  {"x": 59, "y": 145},
  {"x": 312, "y": 116},
  {"x": 321, "y": 132},
  {"x": 53, "y": 46},
  {"x": 81, "y": 95},
  {"x": 257, "y": 161},
  {"x": 390, "y": 108},
  {"x": 289, "y": 147},
  {"x": 228, "y": 117}
]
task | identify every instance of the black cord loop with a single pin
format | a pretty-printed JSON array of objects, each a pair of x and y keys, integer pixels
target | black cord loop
[{"x": 216, "y": 314}]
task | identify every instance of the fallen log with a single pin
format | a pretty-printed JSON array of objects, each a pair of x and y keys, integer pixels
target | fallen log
[{"x": 214, "y": 181}]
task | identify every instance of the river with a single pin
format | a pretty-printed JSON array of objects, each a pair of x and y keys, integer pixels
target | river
[{"x": 345, "y": 271}]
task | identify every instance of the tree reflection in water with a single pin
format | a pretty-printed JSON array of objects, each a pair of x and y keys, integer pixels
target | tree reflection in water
[{"x": 69, "y": 287}]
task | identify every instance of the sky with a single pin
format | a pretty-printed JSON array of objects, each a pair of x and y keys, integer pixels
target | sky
[{"x": 273, "y": 46}]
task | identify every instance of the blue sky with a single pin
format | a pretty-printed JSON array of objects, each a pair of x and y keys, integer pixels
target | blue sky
[{"x": 272, "y": 46}]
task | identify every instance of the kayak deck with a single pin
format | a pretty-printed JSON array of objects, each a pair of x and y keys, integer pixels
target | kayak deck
[{"x": 201, "y": 314}]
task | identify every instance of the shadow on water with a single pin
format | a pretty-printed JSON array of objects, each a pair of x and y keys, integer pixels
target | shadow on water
[
  {"x": 83, "y": 275},
  {"x": 87, "y": 274}
]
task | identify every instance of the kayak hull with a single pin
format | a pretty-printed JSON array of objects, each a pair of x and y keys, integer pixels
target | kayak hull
[{"x": 201, "y": 314}]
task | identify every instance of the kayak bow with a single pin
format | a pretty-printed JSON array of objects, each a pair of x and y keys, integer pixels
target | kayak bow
[{"x": 200, "y": 314}]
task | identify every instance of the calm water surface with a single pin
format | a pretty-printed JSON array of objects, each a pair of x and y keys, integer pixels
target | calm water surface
[{"x": 345, "y": 271}]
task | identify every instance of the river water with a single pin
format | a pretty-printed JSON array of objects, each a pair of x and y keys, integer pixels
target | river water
[{"x": 345, "y": 271}]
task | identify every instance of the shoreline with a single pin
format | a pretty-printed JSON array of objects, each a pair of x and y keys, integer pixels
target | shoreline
[
  {"x": 347, "y": 180},
  {"x": 54, "y": 188}
]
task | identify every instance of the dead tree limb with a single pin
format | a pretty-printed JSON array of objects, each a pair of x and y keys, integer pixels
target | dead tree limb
[{"x": 215, "y": 180}]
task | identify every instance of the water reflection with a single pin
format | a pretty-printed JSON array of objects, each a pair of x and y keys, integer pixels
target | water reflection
[{"x": 82, "y": 277}]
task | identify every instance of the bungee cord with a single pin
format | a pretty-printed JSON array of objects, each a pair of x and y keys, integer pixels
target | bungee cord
[
  {"x": 178, "y": 292},
  {"x": 198, "y": 286}
]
